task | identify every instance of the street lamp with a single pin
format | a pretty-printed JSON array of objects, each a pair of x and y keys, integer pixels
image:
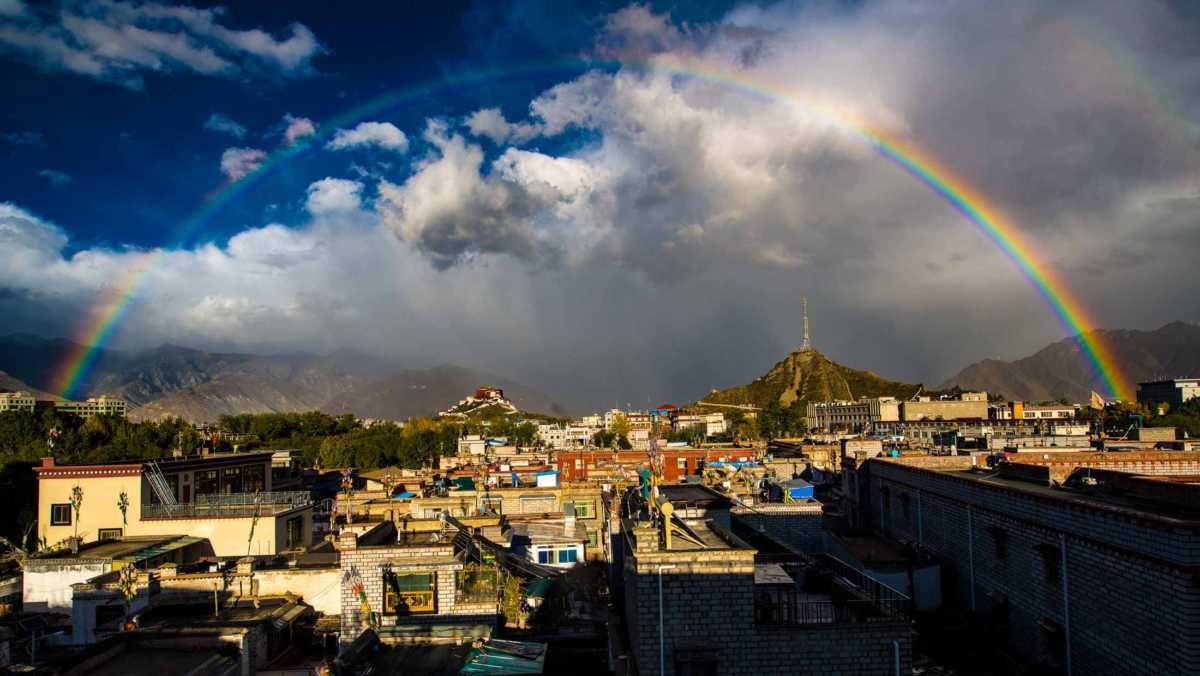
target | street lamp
[{"x": 662, "y": 644}]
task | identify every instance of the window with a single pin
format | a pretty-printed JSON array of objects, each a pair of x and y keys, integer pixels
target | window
[
  {"x": 206, "y": 482},
  {"x": 295, "y": 532},
  {"x": 492, "y": 504},
  {"x": 999, "y": 541},
  {"x": 1051, "y": 562},
  {"x": 904, "y": 500},
  {"x": 254, "y": 478},
  {"x": 567, "y": 555},
  {"x": 408, "y": 594},
  {"x": 231, "y": 480},
  {"x": 109, "y": 533},
  {"x": 585, "y": 509},
  {"x": 593, "y": 537},
  {"x": 544, "y": 556},
  {"x": 60, "y": 514},
  {"x": 681, "y": 463}
]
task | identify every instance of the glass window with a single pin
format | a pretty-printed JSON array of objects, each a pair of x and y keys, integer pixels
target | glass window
[
  {"x": 544, "y": 556},
  {"x": 109, "y": 533},
  {"x": 412, "y": 593},
  {"x": 231, "y": 480},
  {"x": 295, "y": 532},
  {"x": 567, "y": 555},
  {"x": 585, "y": 509},
  {"x": 206, "y": 482},
  {"x": 254, "y": 478},
  {"x": 60, "y": 514}
]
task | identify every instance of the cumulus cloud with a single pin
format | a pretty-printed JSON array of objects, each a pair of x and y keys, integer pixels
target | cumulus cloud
[
  {"x": 295, "y": 128},
  {"x": 367, "y": 134},
  {"x": 490, "y": 122},
  {"x": 119, "y": 41},
  {"x": 237, "y": 162},
  {"x": 667, "y": 206},
  {"x": 333, "y": 196},
  {"x": 56, "y": 178},
  {"x": 220, "y": 123}
]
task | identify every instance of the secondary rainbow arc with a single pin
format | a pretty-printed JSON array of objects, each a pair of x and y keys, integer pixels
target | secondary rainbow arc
[{"x": 113, "y": 303}]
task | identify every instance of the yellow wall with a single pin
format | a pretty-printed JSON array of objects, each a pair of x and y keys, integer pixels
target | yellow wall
[
  {"x": 99, "y": 508},
  {"x": 230, "y": 536}
]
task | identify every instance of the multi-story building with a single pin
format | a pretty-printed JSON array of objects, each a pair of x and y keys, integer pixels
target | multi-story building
[
  {"x": 580, "y": 465},
  {"x": 102, "y": 405},
  {"x": 226, "y": 498},
  {"x": 17, "y": 401},
  {"x": 700, "y": 600},
  {"x": 854, "y": 416},
  {"x": 968, "y": 406},
  {"x": 1075, "y": 562},
  {"x": 1017, "y": 410},
  {"x": 1172, "y": 392},
  {"x": 552, "y": 435}
]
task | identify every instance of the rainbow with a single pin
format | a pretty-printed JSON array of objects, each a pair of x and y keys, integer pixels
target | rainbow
[{"x": 114, "y": 301}]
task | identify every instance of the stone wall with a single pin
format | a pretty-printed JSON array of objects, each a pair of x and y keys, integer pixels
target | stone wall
[
  {"x": 795, "y": 525},
  {"x": 1130, "y": 585},
  {"x": 708, "y": 611}
]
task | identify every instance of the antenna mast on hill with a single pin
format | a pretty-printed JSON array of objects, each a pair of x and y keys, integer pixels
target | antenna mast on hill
[{"x": 807, "y": 344}]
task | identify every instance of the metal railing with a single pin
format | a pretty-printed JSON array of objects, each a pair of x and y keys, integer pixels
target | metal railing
[
  {"x": 833, "y": 592},
  {"x": 230, "y": 504}
]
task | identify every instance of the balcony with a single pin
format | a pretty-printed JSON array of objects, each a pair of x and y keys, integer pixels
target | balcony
[
  {"x": 828, "y": 591},
  {"x": 229, "y": 505}
]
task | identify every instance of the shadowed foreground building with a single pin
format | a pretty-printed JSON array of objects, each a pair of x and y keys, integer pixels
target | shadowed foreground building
[
  {"x": 1076, "y": 563},
  {"x": 729, "y": 608}
]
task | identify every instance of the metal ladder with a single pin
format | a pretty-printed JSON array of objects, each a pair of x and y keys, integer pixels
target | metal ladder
[{"x": 159, "y": 484}]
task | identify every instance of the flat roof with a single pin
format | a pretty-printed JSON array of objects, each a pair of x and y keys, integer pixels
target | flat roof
[{"x": 695, "y": 494}]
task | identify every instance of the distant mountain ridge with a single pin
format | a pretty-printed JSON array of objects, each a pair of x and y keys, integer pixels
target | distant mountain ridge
[
  {"x": 805, "y": 376},
  {"x": 201, "y": 386},
  {"x": 1061, "y": 370}
]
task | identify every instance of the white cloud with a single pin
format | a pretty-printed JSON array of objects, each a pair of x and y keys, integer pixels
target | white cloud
[
  {"x": 25, "y": 138},
  {"x": 296, "y": 128},
  {"x": 57, "y": 178},
  {"x": 237, "y": 162},
  {"x": 379, "y": 134},
  {"x": 334, "y": 195},
  {"x": 490, "y": 122},
  {"x": 119, "y": 41},
  {"x": 220, "y": 123}
]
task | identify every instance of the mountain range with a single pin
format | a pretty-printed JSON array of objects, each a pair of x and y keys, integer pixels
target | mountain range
[
  {"x": 1062, "y": 371},
  {"x": 201, "y": 386}
]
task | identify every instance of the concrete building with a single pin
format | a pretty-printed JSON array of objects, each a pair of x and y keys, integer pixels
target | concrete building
[
  {"x": 1172, "y": 392},
  {"x": 968, "y": 406},
  {"x": 700, "y": 600},
  {"x": 226, "y": 498},
  {"x": 1016, "y": 410},
  {"x": 854, "y": 416},
  {"x": 552, "y": 435},
  {"x": 1075, "y": 563},
  {"x": 422, "y": 587},
  {"x": 103, "y": 405},
  {"x": 17, "y": 401}
]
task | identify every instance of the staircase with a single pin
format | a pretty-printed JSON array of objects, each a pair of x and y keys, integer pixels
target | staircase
[{"x": 159, "y": 484}]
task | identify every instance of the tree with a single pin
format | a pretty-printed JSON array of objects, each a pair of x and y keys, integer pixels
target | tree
[{"x": 620, "y": 425}]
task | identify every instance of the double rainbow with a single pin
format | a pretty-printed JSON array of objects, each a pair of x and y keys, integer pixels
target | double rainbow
[{"x": 113, "y": 302}]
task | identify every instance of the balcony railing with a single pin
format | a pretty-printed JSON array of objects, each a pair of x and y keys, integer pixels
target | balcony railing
[
  {"x": 832, "y": 591},
  {"x": 230, "y": 504}
]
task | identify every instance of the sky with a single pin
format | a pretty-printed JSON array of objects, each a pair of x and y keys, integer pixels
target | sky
[{"x": 535, "y": 189}]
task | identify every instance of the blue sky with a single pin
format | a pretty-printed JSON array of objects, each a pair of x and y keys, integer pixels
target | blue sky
[
  {"x": 147, "y": 151},
  {"x": 607, "y": 235}
]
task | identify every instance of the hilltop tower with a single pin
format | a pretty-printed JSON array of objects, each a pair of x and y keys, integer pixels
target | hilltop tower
[{"x": 806, "y": 344}]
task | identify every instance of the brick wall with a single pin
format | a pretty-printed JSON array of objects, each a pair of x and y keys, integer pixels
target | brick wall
[
  {"x": 708, "y": 610},
  {"x": 796, "y": 525},
  {"x": 1132, "y": 596}
]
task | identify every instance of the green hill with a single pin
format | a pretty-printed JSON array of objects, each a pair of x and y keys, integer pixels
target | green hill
[{"x": 808, "y": 375}]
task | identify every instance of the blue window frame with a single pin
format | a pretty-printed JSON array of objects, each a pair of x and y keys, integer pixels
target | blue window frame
[
  {"x": 544, "y": 556},
  {"x": 567, "y": 555}
]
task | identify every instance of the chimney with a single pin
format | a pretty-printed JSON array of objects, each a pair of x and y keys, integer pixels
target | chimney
[
  {"x": 347, "y": 540},
  {"x": 47, "y": 462}
]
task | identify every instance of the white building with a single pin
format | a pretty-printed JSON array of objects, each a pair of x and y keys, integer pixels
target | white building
[
  {"x": 472, "y": 444},
  {"x": 103, "y": 405},
  {"x": 552, "y": 435},
  {"x": 852, "y": 415},
  {"x": 17, "y": 401}
]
